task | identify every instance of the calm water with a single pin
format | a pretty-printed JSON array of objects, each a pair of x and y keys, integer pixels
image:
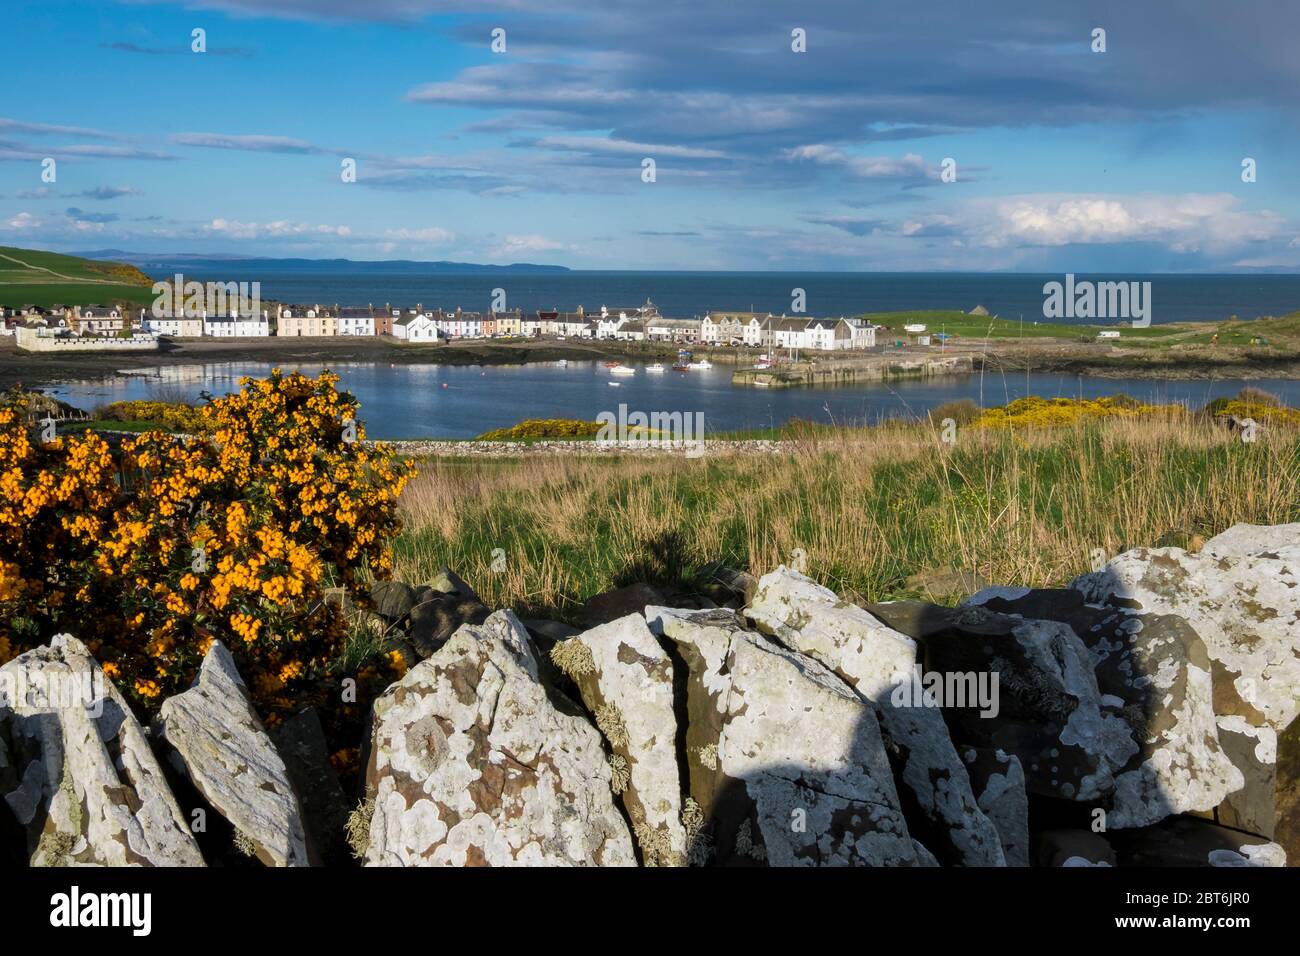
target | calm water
[
  {"x": 433, "y": 401},
  {"x": 1175, "y": 298}
]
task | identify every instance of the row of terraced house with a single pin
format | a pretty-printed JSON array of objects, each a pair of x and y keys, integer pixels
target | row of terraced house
[{"x": 638, "y": 324}]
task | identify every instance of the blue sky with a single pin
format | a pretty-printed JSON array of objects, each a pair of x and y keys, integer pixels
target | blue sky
[{"x": 830, "y": 159}]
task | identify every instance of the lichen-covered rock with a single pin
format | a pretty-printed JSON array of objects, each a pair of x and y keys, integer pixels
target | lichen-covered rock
[
  {"x": 1243, "y": 602},
  {"x": 626, "y": 680},
  {"x": 1254, "y": 751},
  {"x": 1156, "y": 671},
  {"x": 1243, "y": 540},
  {"x": 436, "y": 616},
  {"x": 472, "y": 764},
  {"x": 392, "y": 600},
  {"x": 786, "y": 764},
  {"x": 1191, "y": 841},
  {"x": 300, "y": 741},
  {"x": 1056, "y": 848},
  {"x": 448, "y": 581},
  {"x": 998, "y": 783},
  {"x": 1050, "y": 712},
  {"x": 219, "y": 742},
  {"x": 620, "y": 602},
  {"x": 77, "y": 771},
  {"x": 873, "y": 658}
]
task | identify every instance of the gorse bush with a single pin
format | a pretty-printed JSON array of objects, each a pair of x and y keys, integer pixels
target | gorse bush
[
  {"x": 171, "y": 415},
  {"x": 543, "y": 428},
  {"x": 1035, "y": 412},
  {"x": 151, "y": 550}
]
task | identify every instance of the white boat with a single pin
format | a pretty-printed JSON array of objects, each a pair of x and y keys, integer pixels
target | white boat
[
  {"x": 702, "y": 363},
  {"x": 615, "y": 384},
  {"x": 654, "y": 368},
  {"x": 622, "y": 370},
  {"x": 562, "y": 363}
]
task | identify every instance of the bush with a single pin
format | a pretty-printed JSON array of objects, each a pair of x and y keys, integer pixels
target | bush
[
  {"x": 963, "y": 411},
  {"x": 543, "y": 428},
  {"x": 174, "y": 416},
  {"x": 1045, "y": 412},
  {"x": 150, "y": 551}
]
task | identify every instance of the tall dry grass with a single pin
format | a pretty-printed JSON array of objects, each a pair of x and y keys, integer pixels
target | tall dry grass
[{"x": 869, "y": 508}]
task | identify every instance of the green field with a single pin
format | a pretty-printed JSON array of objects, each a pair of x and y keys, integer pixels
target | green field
[
  {"x": 1267, "y": 332},
  {"x": 34, "y": 277}
]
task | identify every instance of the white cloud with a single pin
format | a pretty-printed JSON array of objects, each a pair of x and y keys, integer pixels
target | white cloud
[
  {"x": 515, "y": 245},
  {"x": 429, "y": 234},
  {"x": 23, "y": 221},
  {"x": 597, "y": 144},
  {"x": 907, "y": 166},
  {"x": 1185, "y": 222},
  {"x": 280, "y": 228}
]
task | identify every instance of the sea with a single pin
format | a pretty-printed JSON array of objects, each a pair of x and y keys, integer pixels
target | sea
[
  {"x": 456, "y": 402},
  {"x": 1175, "y": 298}
]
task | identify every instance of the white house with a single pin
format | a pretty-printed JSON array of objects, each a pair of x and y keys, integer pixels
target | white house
[
  {"x": 607, "y": 325},
  {"x": 356, "y": 322},
  {"x": 659, "y": 329},
  {"x": 177, "y": 325},
  {"x": 238, "y": 325},
  {"x": 574, "y": 324},
  {"x": 789, "y": 333},
  {"x": 751, "y": 333},
  {"x": 862, "y": 334},
  {"x": 632, "y": 330},
  {"x": 416, "y": 327}
]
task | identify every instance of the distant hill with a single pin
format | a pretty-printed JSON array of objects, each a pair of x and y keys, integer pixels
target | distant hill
[
  {"x": 164, "y": 261},
  {"x": 36, "y": 277}
]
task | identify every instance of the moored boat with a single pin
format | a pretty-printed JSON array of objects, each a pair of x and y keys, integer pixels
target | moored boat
[
  {"x": 654, "y": 368},
  {"x": 702, "y": 364}
]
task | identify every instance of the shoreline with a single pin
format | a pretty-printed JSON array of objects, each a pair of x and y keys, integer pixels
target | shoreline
[{"x": 1049, "y": 356}]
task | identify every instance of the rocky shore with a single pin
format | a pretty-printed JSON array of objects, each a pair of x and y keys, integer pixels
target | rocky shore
[{"x": 1146, "y": 715}]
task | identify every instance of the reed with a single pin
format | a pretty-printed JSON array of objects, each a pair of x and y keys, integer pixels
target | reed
[{"x": 869, "y": 508}]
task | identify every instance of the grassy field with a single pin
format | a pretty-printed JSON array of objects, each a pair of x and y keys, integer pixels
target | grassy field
[
  {"x": 33, "y": 277},
  {"x": 1279, "y": 332},
  {"x": 873, "y": 512}
]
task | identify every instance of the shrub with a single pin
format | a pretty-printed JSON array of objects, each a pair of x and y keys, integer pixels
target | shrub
[
  {"x": 174, "y": 416},
  {"x": 1046, "y": 412},
  {"x": 963, "y": 411},
  {"x": 543, "y": 428},
  {"x": 152, "y": 550}
]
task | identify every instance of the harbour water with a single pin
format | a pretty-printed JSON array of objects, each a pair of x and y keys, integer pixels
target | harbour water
[{"x": 435, "y": 401}]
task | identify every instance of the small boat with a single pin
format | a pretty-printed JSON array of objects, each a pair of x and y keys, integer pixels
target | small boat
[
  {"x": 562, "y": 363},
  {"x": 702, "y": 363},
  {"x": 654, "y": 368},
  {"x": 679, "y": 367},
  {"x": 622, "y": 370},
  {"x": 615, "y": 384}
]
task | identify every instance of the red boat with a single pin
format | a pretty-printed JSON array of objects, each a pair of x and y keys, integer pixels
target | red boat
[{"x": 681, "y": 367}]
